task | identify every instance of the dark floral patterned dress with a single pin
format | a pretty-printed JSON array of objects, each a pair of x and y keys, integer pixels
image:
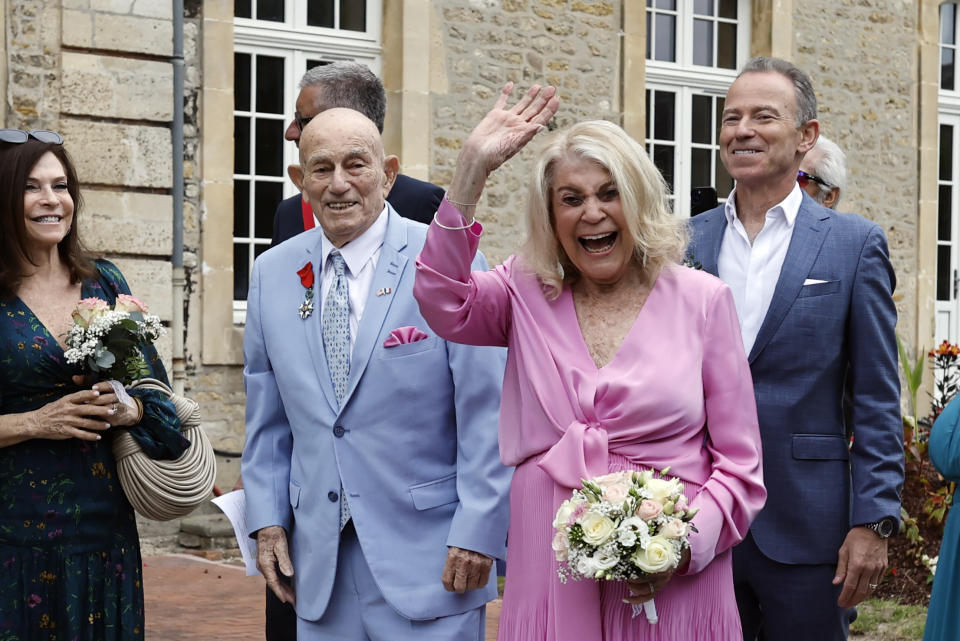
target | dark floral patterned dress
[{"x": 69, "y": 552}]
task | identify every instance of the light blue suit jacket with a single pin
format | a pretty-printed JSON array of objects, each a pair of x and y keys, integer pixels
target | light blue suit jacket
[
  {"x": 415, "y": 443},
  {"x": 818, "y": 487}
]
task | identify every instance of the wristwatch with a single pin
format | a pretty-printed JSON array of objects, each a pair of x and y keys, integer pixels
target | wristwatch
[{"x": 884, "y": 528}]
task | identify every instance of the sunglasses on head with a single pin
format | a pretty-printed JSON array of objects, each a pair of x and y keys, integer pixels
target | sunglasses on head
[
  {"x": 803, "y": 178},
  {"x": 18, "y": 136}
]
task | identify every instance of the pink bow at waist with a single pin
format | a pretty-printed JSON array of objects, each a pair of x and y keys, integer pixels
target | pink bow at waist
[{"x": 581, "y": 453}]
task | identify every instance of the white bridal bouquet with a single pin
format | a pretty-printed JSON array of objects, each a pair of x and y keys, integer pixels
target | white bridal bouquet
[
  {"x": 108, "y": 339},
  {"x": 623, "y": 526}
]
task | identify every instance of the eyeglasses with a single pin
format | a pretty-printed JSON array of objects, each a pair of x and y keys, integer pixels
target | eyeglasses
[
  {"x": 804, "y": 178},
  {"x": 301, "y": 121},
  {"x": 18, "y": 136}
]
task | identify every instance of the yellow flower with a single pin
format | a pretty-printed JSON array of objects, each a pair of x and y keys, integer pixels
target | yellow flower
[
  {"x": 21, "y": 345},
  {"x": 99, "y": 470}
]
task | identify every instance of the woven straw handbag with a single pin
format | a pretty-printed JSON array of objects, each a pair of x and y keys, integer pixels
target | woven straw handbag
[{"x": 167, "y": 490}]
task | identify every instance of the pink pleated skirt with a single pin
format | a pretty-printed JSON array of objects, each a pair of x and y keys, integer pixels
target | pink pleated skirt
[{"x": 701, "y": 606}]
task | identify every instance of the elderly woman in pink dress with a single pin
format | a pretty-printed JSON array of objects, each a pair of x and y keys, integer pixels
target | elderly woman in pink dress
[{"x": 619, "y": 358}]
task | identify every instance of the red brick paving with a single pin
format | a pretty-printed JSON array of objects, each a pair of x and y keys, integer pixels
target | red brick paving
[{"x": 192, "y": 599}]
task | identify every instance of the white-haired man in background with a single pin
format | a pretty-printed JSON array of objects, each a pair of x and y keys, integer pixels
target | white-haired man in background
[{"x": 823, "y": 172}]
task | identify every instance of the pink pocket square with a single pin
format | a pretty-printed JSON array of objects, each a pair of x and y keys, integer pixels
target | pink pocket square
[{"x": 404, "y": 335}]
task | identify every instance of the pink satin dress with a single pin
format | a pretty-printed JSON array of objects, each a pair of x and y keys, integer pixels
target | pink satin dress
[{"x": 677, "y": 393}]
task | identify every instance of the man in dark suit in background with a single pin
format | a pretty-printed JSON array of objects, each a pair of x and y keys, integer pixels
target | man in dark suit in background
[
  {"x": 350, "y": 85},
  {"x": 353, "y": 86}
]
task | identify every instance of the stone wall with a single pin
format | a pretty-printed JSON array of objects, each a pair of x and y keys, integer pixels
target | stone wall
[
  {"x": 862, "y": 57},
  {"x": 572, "y": 44}
]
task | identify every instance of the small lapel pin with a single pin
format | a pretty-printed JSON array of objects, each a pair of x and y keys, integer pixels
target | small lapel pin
[{"x": 383, "y": 291}]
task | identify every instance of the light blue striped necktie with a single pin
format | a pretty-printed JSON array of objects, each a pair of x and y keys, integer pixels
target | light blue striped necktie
[{"x": 336, "y": 344}]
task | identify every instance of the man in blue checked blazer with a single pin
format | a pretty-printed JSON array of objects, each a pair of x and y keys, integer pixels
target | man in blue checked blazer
[
  {"x": 813, "y": 290},
  {"x": 371, "y": 465}
]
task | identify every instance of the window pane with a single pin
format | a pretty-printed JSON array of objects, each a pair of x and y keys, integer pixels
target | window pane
[
  {"x": 702, "y": 121},
  {"x": 946, "y": 68},
  {"x": 268, "y": 196},
  {"x": 663, "y": 159},
  {"x": 320, "y": 13},
  {"x": 353, "y": 15},
  {"x": 241, "y": 81},
  {"x": 649, "y": 34},
  {"x": 270, "y": 10},
  {"x": 728, "y": 9},
  {"x": 667, "y": 4},
  {"x": 241, "y": 145},
  {"x": 946, "y": 152},
  {"x": 947, "y": 24},
  {"x": 700, "y": 167},
  {"x": 270, "y": 84},
  {"x": 726, "y": 45},
  {"x": 269, "y": 141},
  {"x": 943, "y": 272},
  {"x": 703, "y": 7},
  {"x": 703, "y": 42},
  {"x": 665, "y": 32},
  {"x": 663, "y": 115},
  {"x": 241, "y": 8},
  {"x": 646, "y": 135},
  {"x": 241, "y": 208},
  {"x": 241, "y": 271},
  {"x": 945, "y": 217},
  {"x": 259, "y": 249}
]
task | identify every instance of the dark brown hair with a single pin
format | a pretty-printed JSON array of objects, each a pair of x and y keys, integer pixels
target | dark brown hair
[{"x": 16, "y": 163}]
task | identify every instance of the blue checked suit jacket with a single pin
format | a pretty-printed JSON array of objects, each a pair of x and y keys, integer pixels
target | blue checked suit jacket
[{"x": 817, "y": 486}]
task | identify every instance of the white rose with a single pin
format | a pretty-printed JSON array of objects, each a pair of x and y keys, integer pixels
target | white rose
[
  {"x": 657, "y": 556},
  {"x": 674, "y": 529},
  {"x": 563, "y": 514},
  {"x": 560, "y": 545},
  {"x": 597, "y": 528},
  {"x": 660, "y": 490}
]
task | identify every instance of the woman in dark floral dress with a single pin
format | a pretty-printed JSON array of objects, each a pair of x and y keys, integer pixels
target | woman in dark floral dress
[{"x": 70, "y": 565}]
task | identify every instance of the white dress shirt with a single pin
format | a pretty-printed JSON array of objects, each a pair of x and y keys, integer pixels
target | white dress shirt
[
  {"x": 752, "y": 271},
  {"x": 360, "y": 255}
]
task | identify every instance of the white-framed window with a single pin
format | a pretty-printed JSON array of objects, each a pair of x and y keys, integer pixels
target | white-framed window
[
  {"x": 694, "y": 48},
  {"x": 275, "y": 42},
  {"x": 947, "y": 306}
]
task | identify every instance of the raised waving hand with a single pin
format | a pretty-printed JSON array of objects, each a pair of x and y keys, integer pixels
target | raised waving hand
[{"x": 503, "y": 132}]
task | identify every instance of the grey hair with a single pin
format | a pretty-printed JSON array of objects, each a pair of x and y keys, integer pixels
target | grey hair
[
  {"x": 350, "y": 85},
  {"x": 831, "y": 167},
  {"x": 803, "y": 87}
]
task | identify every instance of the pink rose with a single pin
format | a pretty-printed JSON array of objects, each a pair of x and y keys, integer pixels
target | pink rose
[
  {"x": 674, "y": 529},
  {"x": 127, "y": 303},
  {"x": 88, "y": 310},
  {"x": 681, "y": 503},
  {"x": 615, "y": 486},
  {"x": 649, "y": 509}
]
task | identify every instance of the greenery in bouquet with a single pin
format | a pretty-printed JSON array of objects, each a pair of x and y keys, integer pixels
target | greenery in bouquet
[
  {"x": 108, "y": 339},
  {"x": 622, "y": 526}
]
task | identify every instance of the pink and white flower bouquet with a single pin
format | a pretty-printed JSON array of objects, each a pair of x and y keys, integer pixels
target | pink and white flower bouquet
[
  {"x": 107, "y": 339},
  {"x": 623, "y": 526}
]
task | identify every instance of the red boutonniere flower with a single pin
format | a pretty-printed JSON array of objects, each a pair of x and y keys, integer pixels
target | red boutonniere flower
[{"x": 306, "y": 279}]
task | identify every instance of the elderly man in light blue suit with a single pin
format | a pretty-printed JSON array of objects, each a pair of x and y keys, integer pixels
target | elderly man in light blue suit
[
  {"x": 813, "y": 290},
  {"x": 371, "y": 467}
]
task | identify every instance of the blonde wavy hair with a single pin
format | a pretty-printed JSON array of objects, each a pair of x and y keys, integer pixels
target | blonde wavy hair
[{"x": 658, "y": 236}]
